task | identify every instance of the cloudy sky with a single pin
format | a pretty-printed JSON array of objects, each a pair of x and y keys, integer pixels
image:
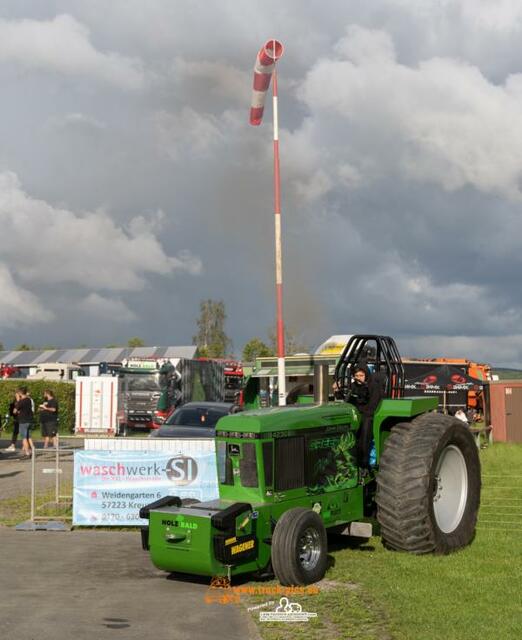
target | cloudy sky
[{"x": 132, "y": 186}]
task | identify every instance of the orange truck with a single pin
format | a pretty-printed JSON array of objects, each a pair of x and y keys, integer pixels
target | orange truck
[{"x": 478, "y": 370}]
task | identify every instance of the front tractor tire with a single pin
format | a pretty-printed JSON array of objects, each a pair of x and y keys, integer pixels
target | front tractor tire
[
  {"x": 299, "y": 548},
  {"x": 428, "y": 486}
]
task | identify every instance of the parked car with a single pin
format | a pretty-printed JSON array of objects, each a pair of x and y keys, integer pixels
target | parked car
[{"x": 195, "y": 420}]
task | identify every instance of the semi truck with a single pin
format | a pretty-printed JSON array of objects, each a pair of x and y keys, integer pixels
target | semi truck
[
  {"x": 143, "y": 391},
  {"x": 233, "y": 381},
  {"x": 233, "y": 378}
]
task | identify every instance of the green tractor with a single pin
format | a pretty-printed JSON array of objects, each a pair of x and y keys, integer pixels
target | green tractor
[{"x": 287, "y": 476}]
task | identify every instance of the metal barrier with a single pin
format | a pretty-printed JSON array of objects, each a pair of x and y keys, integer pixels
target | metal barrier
[
  {"x": 501, "y": 503},
  {"x": 187, "y": 446},
  {"x": 66, "y": 446},
  {"x": 50, "y": 522}
]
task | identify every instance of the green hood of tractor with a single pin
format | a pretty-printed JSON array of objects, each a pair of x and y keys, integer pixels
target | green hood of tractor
[{"x": 262, "y": 421}]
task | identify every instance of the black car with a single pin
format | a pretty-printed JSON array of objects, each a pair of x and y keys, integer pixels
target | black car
[{"x": 195, "y": 420}]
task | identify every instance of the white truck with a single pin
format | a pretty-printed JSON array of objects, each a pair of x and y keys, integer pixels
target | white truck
[
  {"x": 141, "y": 395},
  {"x": 96, "y": 405}
]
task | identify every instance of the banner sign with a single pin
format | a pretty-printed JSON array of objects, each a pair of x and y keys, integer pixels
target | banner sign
[{"x": 110, "y": 487}]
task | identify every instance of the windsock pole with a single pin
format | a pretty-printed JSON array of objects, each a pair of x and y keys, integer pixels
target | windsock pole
[
  {"x": 264, "y": 69},
  {"x": 281, "y": 377}
]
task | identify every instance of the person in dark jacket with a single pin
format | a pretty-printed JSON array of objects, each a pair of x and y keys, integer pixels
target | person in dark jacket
[
  {"x": 372, "y": 394},
  {"x": 16, "y": 424},
  {"x": 24, "y": 411},
  {"x": 49, "y": 418},
  {"x": 359, "y": 394}
]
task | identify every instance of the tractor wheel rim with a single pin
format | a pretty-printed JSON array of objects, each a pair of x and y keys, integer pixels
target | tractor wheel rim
[
  {"x": 450, "y": 493},
  {"x": 309, "y": 548}
]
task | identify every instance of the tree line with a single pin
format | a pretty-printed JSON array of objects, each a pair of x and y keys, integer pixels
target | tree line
[{"x": 213, "y": 342}]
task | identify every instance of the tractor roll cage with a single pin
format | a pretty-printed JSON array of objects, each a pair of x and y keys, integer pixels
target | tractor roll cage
[{"x": 385, "y": 358}]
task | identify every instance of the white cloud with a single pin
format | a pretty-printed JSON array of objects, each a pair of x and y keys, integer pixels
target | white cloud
[
  {"x": 349, "y": 175},
  {"x": 104, "y": 308},
  {"x": 363, "y": 45},
  {"x": 63, "y": 45},
  {"x": 51, "y": 245},
  {"x": 318, "y": 185},
  {"x": 80, "y": 121},
  {"x": 188, "y": 131},
  {"x": 504, "y": 16},
  {"x": 18, "y": 306},
  {"x": 441, "y": 121}
]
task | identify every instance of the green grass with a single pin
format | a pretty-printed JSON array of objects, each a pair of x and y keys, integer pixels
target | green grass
[
  {"x": 16, "y": 510},
  {"x": 372, "y": 593}
]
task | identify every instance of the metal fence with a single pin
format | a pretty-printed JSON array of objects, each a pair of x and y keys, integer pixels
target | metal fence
[
  {"x": 55, "y": 460},
  {"x": 174, "y": 445},
  {"x": 501, "y": 505},
  {"x": 60, "y": 460}
]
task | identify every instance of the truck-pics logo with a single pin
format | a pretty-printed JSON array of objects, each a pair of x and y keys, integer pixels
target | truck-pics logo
[
  {"x": 287, "y": 611},
  {"x": 182, "y": 470}
]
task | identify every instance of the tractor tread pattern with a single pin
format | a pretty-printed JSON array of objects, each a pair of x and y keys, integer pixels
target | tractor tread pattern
[{"x": 404, "y": 481}]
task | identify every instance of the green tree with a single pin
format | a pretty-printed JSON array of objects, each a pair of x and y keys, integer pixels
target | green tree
[
  {"x": 1, "y": 346},
  {"x": 256, "y": 348},
  {"x": 294, "y": 342},
  {"x": 24, "y": 347},
  {"x": 211, "y": 339},
  {"x": 135, "y": 342}
]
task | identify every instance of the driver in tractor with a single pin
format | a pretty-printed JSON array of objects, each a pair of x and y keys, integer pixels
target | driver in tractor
[{"x": 366, "y": 391}]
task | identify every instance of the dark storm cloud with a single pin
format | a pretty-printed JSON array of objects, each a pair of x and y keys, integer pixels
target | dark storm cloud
[{"x": 130, "y": 170}]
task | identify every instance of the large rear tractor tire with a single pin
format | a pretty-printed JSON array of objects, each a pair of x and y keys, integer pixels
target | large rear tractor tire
[
  {"x": 428, "y": 486},
  {"x": 299, "y": 548}
]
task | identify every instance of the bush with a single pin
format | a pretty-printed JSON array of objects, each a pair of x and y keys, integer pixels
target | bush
[{"x": 64, "y": 393}]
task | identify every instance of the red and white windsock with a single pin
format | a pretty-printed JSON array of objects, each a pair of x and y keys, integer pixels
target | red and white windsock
[
  {"x": 269, "y": 54},
  {"x": 263, "y": 72}
]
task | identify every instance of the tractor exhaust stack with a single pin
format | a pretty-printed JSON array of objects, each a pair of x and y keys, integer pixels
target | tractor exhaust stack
[{"x": 321, "y": 383}]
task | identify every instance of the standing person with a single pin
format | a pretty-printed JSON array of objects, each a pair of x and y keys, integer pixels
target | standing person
[
  {"x": 24, "y": 411},
  {"x": 49, "y": 418},
  {"x": 16, "y": 424},
  {"x": 32, "y": 401}
]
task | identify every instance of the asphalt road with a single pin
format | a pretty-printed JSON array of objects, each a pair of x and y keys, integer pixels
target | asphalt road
[{"x": 95, "y": 585}]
